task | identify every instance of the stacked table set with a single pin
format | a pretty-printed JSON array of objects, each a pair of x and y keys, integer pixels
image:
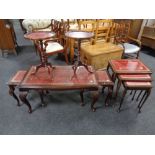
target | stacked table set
[{"x": 134, "y": 75}]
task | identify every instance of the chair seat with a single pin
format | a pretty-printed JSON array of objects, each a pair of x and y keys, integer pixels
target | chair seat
[
  {"x": 131, "y": 48},
  {"x": 138, "y": 84},
  {"x": 103, "y": 78},
  {"x": 53, "y": 47},
  {"x": 135, "y": 77}
]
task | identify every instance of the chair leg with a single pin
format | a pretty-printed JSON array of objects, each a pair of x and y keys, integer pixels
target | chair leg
[
  {"x": 15, "y": 52},
  {"x": 124, "y": 93}
]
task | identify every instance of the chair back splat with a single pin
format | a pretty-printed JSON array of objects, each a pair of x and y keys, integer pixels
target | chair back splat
[{"x": 131, "y": 45}]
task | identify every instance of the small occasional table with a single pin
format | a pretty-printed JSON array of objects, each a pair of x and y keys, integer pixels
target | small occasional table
[
  {"x": 40, "y": 36},
  {"x": 79, "y": 35},
  {"x": 128, "y": 66},
  {"x": 62, "y": 80}
]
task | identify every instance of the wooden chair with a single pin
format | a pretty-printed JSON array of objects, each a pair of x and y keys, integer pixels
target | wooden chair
[
  {"x": 111, "y": 37},
  {"x": 88, "y": 26},
  {"x": 57, "y": 44},
  {"x": 101, "y": 51},
  {"x": 131, "y": 46},
  {"x": 102, "y": 30}
]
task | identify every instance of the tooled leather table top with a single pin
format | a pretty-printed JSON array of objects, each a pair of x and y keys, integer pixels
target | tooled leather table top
[
  {"x": 129, "y": 66},
  {"x": 61, "y": 77}
]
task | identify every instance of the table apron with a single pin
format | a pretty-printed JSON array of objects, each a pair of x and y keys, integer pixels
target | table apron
[{"x": 59, "y": 89}]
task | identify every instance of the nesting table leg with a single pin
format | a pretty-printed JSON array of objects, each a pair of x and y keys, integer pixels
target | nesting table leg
[
  {"x": 139, "y": 95},
  {"x": 124, "y": 93},
  {"x": 134, "y": 95},
  {"x": 142, "y": 99},
  {"x": 82, "y": 99},
  {"x": 147, "y": 95},
  {"x": 117, "y": 88}
]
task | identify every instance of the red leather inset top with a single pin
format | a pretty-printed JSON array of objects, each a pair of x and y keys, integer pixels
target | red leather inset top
[
  {"x": 138, "y": 84},
  {"x": 129, "y": 66},
  {"x": 135, "y": 77},
  {"x": 61, "y": 77},
  {"x": 17, "y": 78},
  {"x": 103, "y": 78}
]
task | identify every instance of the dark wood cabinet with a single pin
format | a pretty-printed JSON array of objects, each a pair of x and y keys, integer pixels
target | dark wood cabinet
[{"x": 7, "y": 37}]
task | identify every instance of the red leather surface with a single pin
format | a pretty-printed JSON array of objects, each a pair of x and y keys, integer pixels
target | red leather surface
[
  {"x": 63, "y": 78},
  {"x": 103, "y": 77},
  {"x": 138, "y": 84},
  {"x": 129, "y": 66},
  {"x": 18, "y": 77},
  {"x": 135, "y": 77},
  {"x": 39, "y": 35}
]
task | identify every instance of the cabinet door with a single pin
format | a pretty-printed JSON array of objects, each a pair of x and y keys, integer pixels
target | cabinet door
[{"x": 6, "y": 36}]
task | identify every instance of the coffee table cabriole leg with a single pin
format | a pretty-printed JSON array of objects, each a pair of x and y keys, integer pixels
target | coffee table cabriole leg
[
  {"x": 81, "y": 95},
  {"x": 95, "y": 95},
  {"x": 23, "y": 96},
  {"x": 41, "y": 94},
  {"x": 12, "y": 93}
]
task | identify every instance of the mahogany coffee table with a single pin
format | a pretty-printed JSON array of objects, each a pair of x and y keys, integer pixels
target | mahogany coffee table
[{"x": 63, "y": 79}]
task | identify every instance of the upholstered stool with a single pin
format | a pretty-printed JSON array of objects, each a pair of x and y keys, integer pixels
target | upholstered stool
[
  {"x": 15, "y": 81},
  {"x": 104, "y": 80},
  {"x": 143, "y": 86},
  {"x": 132, "y": 77},
  {"x": 98, "y": 55}
]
